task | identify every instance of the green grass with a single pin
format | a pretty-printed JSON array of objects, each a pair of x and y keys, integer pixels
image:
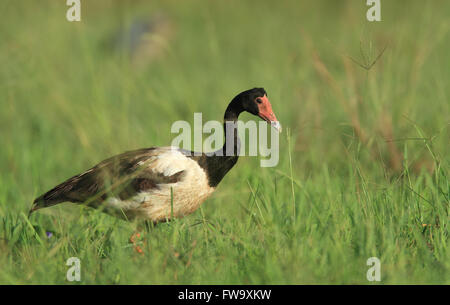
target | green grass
[{"x": 363, "y": 171}]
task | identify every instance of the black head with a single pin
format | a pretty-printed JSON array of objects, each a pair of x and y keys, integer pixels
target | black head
[
  {"x": 256, "y": 102},
  {"x": 248, "y": 99}
]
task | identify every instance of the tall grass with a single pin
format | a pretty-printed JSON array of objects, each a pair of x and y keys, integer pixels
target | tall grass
[{"x": 363, "y": 173}]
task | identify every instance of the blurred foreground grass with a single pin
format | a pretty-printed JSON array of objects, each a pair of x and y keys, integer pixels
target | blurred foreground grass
[{"x": 369, "y": 147}]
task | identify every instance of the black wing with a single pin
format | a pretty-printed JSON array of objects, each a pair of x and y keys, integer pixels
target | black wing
[{"x": 121, "y": 176}]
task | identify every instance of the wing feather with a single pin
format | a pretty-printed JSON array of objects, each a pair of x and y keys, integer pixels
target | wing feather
[{"x": 122, "y": 176}]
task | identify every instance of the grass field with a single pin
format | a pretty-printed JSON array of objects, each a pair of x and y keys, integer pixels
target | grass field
[{"x": 364, "y": 166}]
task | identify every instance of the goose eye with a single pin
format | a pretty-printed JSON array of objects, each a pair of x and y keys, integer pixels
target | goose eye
[{"x": 259, "y": 101}]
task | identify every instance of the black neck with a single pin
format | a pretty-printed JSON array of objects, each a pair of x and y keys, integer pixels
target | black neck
[
  {"x": 218, "y": 163},
  {"x": 231, "y": 146}
]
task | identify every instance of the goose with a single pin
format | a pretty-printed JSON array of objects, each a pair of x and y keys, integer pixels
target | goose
[{"x": 157, "y": 184}]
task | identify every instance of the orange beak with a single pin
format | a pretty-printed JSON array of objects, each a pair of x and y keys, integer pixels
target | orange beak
[{"x": 266, "y": 113}]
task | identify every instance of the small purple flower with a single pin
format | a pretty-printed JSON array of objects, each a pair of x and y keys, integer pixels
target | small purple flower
[{"x": 49, "y": 234}]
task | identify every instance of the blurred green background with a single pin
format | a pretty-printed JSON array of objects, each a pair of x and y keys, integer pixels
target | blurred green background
[{"x": 364, "y": 163}]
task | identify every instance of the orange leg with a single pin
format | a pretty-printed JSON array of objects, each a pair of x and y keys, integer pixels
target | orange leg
[{"x": 136, "y": 239}]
